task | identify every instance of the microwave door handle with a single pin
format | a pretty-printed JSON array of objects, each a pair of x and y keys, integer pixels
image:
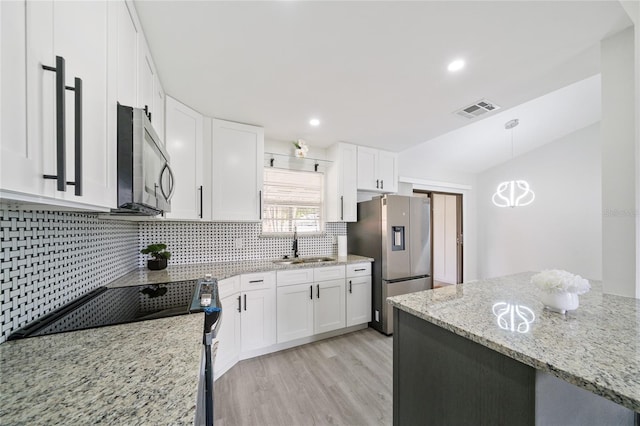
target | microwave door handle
[{"x": 167, "y": 196}]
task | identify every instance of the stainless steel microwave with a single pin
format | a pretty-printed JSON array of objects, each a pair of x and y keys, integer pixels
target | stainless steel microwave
[{"x": 145, "y": 179}]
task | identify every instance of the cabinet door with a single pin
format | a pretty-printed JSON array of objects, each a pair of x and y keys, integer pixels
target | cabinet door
[
  {"x": 329, "y": 306},
  {"x": 146, "y": 78},
  {"x": 349, "y": 166},
  {"x": 258, "y": 322},
  {"x": 159, "y": 109},
  {"x": 388, "y": 171},
  {"x": 358, "y": 293},
  {"x": 80, "y": 33},
  {"x": 295, "y": 311},
  {"x": 367, "y": 169},
  {"x": 20, "y": 168},
  {"x": 184, "y": 144},
  {"x": 238, "y": 151},
  {"x": 228, "y": 334},
  {"x": 127, "y": 55}
]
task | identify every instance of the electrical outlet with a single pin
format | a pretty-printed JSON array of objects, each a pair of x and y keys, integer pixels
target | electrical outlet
[
  {"x": 238, "y": 243},
  {"x": 377, "y": 316}
]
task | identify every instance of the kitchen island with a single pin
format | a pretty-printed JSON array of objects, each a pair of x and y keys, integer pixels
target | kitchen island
[{"x": 488, "y": 352}]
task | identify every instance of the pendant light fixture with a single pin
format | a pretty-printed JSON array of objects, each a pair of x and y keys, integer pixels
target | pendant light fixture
[{"x": 513, "y": 193}]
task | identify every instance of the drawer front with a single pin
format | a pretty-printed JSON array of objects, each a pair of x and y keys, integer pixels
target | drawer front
[
  {"x": 228, "y": 286},
  {"x": 359, "y": 269},
  {"x": 258, "y": 280},
  {"x": 295, "y": 276},
  {"x": 329, "y": 273}
]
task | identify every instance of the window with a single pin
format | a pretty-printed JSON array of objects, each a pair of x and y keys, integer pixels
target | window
[{"x": 292, "y": 199}]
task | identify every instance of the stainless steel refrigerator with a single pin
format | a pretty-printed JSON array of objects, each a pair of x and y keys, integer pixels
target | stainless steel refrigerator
[{"x": 394, "y": 230}]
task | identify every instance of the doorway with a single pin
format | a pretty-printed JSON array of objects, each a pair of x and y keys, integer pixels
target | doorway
[{"x": 447, "y": 242}]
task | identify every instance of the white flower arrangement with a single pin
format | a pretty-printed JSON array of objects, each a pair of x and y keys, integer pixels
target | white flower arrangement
[
  {"x": 301, "y": 148},
  {"x": 558, "y": 281}
]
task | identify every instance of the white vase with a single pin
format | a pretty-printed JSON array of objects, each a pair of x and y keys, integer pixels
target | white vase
[{"x": 559, "y": 301}]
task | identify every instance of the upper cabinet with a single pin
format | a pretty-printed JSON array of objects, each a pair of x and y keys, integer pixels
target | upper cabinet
[
  {"x": 150, "y": 93},
  {"x": 237, "y": 171},
  {"x": 184, "y": 142},
  {"x": 377, "y": 170},
  {"x": 342, "y": 193},
  {"x": 68, "y": 155}
]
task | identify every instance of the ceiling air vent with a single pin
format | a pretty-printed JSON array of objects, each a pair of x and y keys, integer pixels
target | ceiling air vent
[{"x": 477, "y": 109}]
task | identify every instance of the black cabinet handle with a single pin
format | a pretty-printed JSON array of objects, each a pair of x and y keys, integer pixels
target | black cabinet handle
[
  {"x": 200, "y": 189},
  {"x": 78, "y": 136},
  {"x": 350, "y": 289},
  {"x": 239, "y": 304},
  {"x": 256, "y": 281},
  {"x": 341, "y": 207},
  {"x": 311, "y": 292},
  {"x": 358, "y": 270},
  {"x": 382, "y": 184},
  {"x": 377, "y": 183},
  {"x": 245, "y": 302},
  {"x": 318, "y": 286},
  {"x": 60, "y": 175}
]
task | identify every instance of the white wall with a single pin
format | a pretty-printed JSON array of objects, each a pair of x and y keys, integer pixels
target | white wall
[
  {"x": 562, "y": 228},
  {"x": 619, "y": 163}
]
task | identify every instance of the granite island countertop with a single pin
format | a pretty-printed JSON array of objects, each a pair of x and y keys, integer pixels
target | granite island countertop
[
  {"x": 220, "y": 270},
  {"x": 140, "y": 373},
  {"x": 596, "y": 347}
]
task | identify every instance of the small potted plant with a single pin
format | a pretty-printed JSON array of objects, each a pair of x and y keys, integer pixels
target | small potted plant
[{"x": 159, "y": 256}]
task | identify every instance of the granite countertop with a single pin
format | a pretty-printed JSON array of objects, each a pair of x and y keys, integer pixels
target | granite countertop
[
  {"x": 140, "y": 373},
  {"x": 596, "y": 347},
  {"x": 220, "y": 270}
]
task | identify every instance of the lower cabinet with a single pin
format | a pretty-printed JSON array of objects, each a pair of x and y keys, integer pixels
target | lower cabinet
[
  {"x": 329, "y": 306},
  {"x": 358, "y": 300},
  {"x": 262, "y": 310}
]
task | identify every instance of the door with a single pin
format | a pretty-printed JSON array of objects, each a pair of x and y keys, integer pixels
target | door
[
  {"x": 396, "y": 237},
  {"x": 447, "y": 239},
  {"x": 258, "y": 323},
  {"x": 228, "y": 334},
  {"x": 295, "y": 311},
  {"x": 420, "y": 223},
  {"x": 238, "y": 151},
  {"x": 388, "y": 171},
  {"x": 127, "y": 55},
  {"x": 358, "y": 300},
  {"x": 367, "y": 168},
  {"x": 185, "y": 146},
  {"x": 330, "y": 309}
]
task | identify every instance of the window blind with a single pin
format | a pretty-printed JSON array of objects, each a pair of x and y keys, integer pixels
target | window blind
[{"x": 292, "y": 199}]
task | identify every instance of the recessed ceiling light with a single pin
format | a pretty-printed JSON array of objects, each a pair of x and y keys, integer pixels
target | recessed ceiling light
[
  {"x": 456, "y": 65},
  {"x": 314, "y": 122}
]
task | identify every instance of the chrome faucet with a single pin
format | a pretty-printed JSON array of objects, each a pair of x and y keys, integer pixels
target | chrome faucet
[{"x": 295, "y": 241}]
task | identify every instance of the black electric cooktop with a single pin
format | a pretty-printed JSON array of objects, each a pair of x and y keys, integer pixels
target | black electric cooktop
[{"x": 109, "y": 306}]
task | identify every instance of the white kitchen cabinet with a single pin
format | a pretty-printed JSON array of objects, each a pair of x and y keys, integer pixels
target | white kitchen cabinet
[
  {"x": 358, "y": 293},
  {"x": 295, "y": 311},
  {"x": 184, "y": 142},
  {"x": 237, "y": 171},
  {"x": 329, "y": 306},
  {"x": 258, "y": 312},
  {"x": 150, "y": 92},
  {"x": 128, "y": 34},
  {"x": 83, "y": 34},
  {"x": 342, "y": 192},
  {"x": 159, "y": 108},
  {"x": 377, "y": 170},
  {"x": 229, "y": 331}
]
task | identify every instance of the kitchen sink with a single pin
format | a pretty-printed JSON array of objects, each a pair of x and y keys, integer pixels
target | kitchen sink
[{"x": 298, "y": 260}]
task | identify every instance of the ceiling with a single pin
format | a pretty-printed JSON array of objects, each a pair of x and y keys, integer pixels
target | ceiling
[{"x": 374, "y": 73}]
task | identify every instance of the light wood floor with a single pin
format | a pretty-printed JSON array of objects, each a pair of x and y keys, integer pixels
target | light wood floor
[{"x": 346, "y": 380}]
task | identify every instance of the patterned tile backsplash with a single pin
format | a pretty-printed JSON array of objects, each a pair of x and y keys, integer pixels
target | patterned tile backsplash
[
  {"x": 194, "y": 242},
  {"x": 49, "y": 258}
]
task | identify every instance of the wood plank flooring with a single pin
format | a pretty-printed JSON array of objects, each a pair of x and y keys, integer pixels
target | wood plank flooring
[{"x": 345, "y": 380}]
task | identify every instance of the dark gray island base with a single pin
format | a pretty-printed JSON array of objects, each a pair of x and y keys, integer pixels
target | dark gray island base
[{"x": 453, "y": 369}]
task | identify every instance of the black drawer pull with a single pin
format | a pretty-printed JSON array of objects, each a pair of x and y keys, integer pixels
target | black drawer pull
[
  {"x": 350, "y": 289},
  {"x": 311, "y": 292},
  {"x": 239, "y": 304},
  {"x": 359, "y": 270},
  {"x": 318, "y": 285},
  {"x": 245, "y": 302},
  {"x": 256, "y": 281}
]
